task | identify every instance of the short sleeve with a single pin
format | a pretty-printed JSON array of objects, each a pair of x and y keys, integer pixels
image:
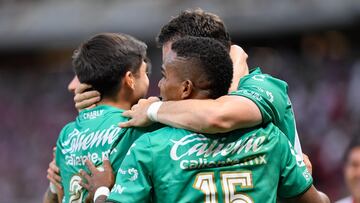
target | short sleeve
[
  {"x": 295, "y": 179},
  {"x": 133, "y": 180},
  {"x": 268, "y": 93}
]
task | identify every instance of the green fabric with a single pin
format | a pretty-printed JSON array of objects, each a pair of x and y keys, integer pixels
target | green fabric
[
  {"x": 271, "y": 96},
  {"x": 93, "y": 135},
  {"x": 175, "y": 165}
]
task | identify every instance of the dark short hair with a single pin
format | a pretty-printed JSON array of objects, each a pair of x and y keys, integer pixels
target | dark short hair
[
  {"x": 196, "y": 23},
  {"x": 103, "y": 60},
  {"x": 354, "y": 143},
  {"x": 212, "y": 58}
]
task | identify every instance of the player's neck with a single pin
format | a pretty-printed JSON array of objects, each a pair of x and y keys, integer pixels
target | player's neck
[
  {"x": 199, "y": 94},
  {"x": 125, "y": 105}
]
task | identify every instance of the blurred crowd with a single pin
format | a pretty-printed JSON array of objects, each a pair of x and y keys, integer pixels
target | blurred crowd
[{"x": 322, "y": 70}]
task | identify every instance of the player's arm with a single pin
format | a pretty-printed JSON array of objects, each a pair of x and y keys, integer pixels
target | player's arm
[
  {"x": 50, "y": 197},
  {"x": 311, "y": 196},
  {"x": 207, "y": 116},
  {"x": 97, "y": 183},
  {"x": 55, "y": 188}
]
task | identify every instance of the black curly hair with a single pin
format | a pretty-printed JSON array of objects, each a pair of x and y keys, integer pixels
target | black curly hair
[{"x": 213, "y": 60}]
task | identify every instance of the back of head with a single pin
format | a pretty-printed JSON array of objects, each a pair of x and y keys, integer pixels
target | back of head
[
  {"x": 103, "y": 60},
  {"x": 196, "y": 23},
  {"x": 212, "y": 58}
]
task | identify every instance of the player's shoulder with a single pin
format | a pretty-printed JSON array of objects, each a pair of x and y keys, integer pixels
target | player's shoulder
[
  {"x": 101, "y": 114},
  {"x": 68, "y": 127},
  {"x": 66, "y": 130},
  {"x": 256, "y": 76}
]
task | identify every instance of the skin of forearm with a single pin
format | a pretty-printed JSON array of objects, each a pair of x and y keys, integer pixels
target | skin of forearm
[
  {"x": 49, "y": 197},
  {"x": 224, "y": 114},
  {"x": 101, "y": 199},
  {"x": 311, "y": 196},
  {"x": 188, "y": 114}
]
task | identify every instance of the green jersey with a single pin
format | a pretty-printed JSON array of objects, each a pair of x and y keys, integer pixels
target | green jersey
[
  {"x": 176, "y": 165},
  {"x": 271, "y": 96},
  {"x": 93, "y": 135}
]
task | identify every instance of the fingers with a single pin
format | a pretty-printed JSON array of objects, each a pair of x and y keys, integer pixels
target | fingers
[
  {"x": 53, "y": 171},
  {"x": 53, "y": 167},
  {"x": 54, "y": 177},
  {"x": 92, "y": 106},
  {"x": 84, "y": 185},
  {"x": 86, "y": 95},
  {"x": 54, "y": 151},
  {"x": 90, "y": 166},
  {"x": 127, "y": 124},
  {"x": 81, "y": 88},
  {"x": 82, "y": 104},
  {"x": 127, "y": 114},
  {"x": 107, "y": 165},
  {"x": 84, "y": 175},
  {"x": 53, "y": 174},
  {"x": 53, "y": 181}
]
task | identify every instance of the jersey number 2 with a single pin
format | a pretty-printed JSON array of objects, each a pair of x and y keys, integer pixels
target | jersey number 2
[{"x": 229, "y": 180}]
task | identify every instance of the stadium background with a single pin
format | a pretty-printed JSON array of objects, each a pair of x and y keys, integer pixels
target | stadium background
[{"x": 311, "y": 44}]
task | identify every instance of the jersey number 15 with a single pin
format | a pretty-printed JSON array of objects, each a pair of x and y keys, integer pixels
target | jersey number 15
[{"x": 229, "y": 180}]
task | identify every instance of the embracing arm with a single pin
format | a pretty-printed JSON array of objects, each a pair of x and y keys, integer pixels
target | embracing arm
[
  {"x": 206, "y": 116},
  {"x": 210, "y": 116},
  {"x": 53, "y": 175}
]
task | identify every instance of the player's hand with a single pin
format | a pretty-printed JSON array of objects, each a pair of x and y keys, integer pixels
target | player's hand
[
  {"x": 137, "y": 114},
  {"x": 97, "y": 178},
  {"x": 240, "y": 67},
  {"x": 307, "y": 163},
  {"x": 85, "y": 99},
  {"x": 53, "y": 173}
]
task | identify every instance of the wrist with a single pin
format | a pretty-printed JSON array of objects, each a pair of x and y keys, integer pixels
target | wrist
[
  {"x": 103, "y": 190},
  {"x": 52, "y": 188},
  {"x": 152, "y": 111}
]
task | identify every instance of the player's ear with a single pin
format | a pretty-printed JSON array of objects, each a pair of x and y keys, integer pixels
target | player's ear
[
  {"x": 129, "y": 80},
  {"x": 187, "y": 88}
]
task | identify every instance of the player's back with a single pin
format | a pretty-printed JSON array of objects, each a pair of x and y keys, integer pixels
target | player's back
[
  {"x": 245, "y": 165},
  {"x": 89, "y": 137},
  {"x": 175, "y": 165}
]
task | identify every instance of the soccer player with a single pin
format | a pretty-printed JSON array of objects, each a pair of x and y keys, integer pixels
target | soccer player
[
  {"x": 177, "y": 165},
  {"x": 259, "y": 99},
  {"x": 114, "y": 65}
]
